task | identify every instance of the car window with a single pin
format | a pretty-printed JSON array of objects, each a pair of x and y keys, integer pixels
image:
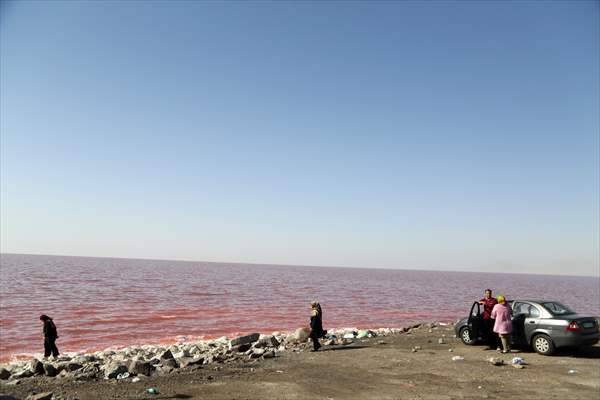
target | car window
[
  {"x": 557, "y": 308},
  {"x": 529, "y": 310},
  {"x": 519, "y": 308},
  {"x": 533, "y": 312}
]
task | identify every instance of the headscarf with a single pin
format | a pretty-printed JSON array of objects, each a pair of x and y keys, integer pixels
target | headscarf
[{"x": 316, "y": 308}]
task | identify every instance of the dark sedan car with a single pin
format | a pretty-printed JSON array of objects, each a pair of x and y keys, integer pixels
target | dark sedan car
[{"x": 544, "y": 325}]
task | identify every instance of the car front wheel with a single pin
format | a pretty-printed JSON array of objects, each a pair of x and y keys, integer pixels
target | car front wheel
[
  {"x": 466, "y": 336},
  {"x": 542, "y": 344}
]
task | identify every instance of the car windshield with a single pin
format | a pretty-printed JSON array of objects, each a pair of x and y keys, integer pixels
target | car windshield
[{"x": 557, "y": 309}]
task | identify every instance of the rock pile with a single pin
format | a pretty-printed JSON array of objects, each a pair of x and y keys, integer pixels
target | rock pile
[{"x": 147, "y": 360}]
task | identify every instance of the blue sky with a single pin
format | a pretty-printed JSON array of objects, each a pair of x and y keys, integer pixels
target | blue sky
[{"x": 426, "y": 135}]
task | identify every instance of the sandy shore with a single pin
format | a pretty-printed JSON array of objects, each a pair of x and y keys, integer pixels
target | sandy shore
[{"x": 401, "y": 366}]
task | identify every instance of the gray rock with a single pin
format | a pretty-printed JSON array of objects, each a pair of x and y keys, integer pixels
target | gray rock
[
  {"x": 185, "y": 362},
  {"x": 90, "y": 371},
  {"x": 241, "y": 348},
  {"x": 269, "y": 354},
  {"x": 64, "y": 373},
  {"x": 50, "y": 370},
  {"x": 164, "y": 369},
  {"x": 209, "y": 359},
  {"x": 36, "y": 366},
  {"x": 26, "y": 373},
  {"x": 251, "y": 338},
  {"x": 40, "y": 396},
  {"x": 4, "y": 374},
  {"x": 300, "y": 335},
  {"x": 181, "y": 354},
  {"x": 113, "y": 369},
  {"x": 267, "y": 341},
  {"x": 441, "y": 341},
  {"x": 87, "y": 358},
  {"x": 166, "y": 355},
  {"x": 141, "y": 367},
  {"x": 170, "y": 362},
  {"x": 73, "y": 366},
  {"x": 256, "y": 353},
  {"x": 154, "y": 361}
]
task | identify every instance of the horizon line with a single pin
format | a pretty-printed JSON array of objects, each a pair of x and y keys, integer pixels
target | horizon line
[{"x": 297, "y": 265}]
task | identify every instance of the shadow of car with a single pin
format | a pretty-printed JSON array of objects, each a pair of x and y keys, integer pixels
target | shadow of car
[{"x": 545, "y": 325}]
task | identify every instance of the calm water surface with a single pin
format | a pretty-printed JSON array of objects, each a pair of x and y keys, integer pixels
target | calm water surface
[{"x": 101, "y": 302}]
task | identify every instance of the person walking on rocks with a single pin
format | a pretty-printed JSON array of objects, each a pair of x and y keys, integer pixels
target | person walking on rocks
[
  {"x": 316, "y": 324},
  {"x": 50, "y": 336},
  {"x": 488, "y": 303},
  {"x": 502, "y": 313}
]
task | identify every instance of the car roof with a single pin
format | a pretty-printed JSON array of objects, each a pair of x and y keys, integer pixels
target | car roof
[{"x": 536, "y": 300}]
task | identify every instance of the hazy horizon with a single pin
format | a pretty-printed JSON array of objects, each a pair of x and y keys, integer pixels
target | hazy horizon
[
  {"x": 374, "y": 267},
  {"x": 412, "y": 135}
]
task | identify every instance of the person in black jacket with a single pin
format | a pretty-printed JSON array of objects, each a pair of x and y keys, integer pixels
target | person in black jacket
[
  {"x": 50, "y": 336},
  {"x": 316, "y": 325}
]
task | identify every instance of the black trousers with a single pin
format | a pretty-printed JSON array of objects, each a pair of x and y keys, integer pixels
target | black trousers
[
  {"x": 492, "y": 337},
  {"x": 315, "y": 340},
  {"x": 50, "y": 347}
]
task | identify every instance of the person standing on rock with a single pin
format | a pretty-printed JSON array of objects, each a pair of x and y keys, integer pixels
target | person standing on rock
[
  {"x": 502, "y": 313},
  {"x": 50, "y": 336},
  {"x": 488, "y": 303},
  {"x": 316, "y": 325}
]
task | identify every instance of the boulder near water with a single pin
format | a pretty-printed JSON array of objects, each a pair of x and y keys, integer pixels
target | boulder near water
[
  {"x": 299, "y": 335},
  {"x": 141, "y": 367},
  {"x": 185, "y": 362},
  {"x": 113, "y": 369},
  {"x": 4, "y": 374},
  {"x": 73, "y": 366},
  {"x": 247, "y": 339},
  {"x": 36, "y": 367},
  {"x": 166, "y": 355},
  {"x": 50, "y": 370},
  {"x": 241, "y": 348},
  {"x": 267, "y": 341}
]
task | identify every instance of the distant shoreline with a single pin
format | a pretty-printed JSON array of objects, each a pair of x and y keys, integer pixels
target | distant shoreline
[{"x": 258, "y": 264}]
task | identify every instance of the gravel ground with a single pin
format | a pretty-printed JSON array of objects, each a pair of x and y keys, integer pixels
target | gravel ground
[{"x": 376, "y": 368}]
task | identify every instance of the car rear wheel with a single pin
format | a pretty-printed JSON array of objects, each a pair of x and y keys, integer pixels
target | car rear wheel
[
  {"x": 542, "y": 344},
  {"x": 466, "y": 336}
]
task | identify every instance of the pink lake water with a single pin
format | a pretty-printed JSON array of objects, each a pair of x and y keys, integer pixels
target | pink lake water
[{"x": 101, "y": 302}]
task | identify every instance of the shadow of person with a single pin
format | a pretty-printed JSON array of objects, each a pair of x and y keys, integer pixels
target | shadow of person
[{"x": 336, "y": 348}]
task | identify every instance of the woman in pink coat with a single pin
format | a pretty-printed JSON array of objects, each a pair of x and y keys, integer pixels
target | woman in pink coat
[{"x": 502, "y": 313}]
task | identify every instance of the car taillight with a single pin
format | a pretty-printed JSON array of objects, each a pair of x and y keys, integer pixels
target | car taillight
[{"x": 573, "y": 327}]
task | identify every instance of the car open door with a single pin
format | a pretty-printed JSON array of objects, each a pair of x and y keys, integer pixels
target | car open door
[
  {"x": 518, "y": 322},
  {"x": 475, "y": 321}
]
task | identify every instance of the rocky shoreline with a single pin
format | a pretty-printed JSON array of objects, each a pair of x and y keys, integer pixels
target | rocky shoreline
[{"x": 133, "y": 362}]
